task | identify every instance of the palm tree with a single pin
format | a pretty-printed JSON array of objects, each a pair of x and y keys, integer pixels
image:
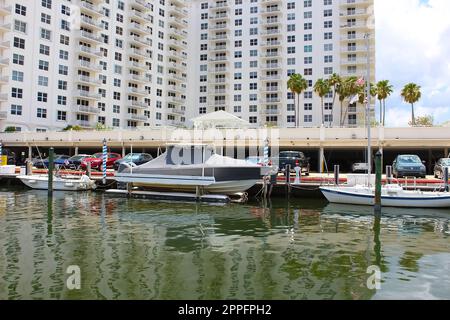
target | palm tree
[
  {"x": 411, "y": 94},
  {"x": 384, "y": 90},
  {"x": 297, "y": 84},
  {"x": 335, "y": 81},
  {"x": 322, "y": 88}
]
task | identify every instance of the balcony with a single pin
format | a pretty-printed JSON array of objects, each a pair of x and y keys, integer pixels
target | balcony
[
  {"x": 177, "y": 32},
  {"x": 176, "y": 55},
  {"x": 270, "y": 2},
  {"x": 4, "y": 62},
  {"x": 356, "y": 49},
  {"x": 138, "y": 92},
  {"x": 139, "y": 28},
  {"x": 138, "y": 78},
  {"x": 178, "y": 22},
  {"x": 175, "y": 77},
  {"x": 86, "y": 123},
  {"x": 271, "y": 112},
  {"x": 176, "y": 111},
  {"x": 359, "y": 37},
  {"x": 217, "y": 6},
  {"x": 88, "y": 80},
  {"x": 137, "y": 117},
  {"x": 82, "y": 64},
  {"x": 141, "y": 4},
  {"x": 272, "y": 66},
  {"x": 138, "y": 104},
  {"x": 139, "y": 53},
  {"x": 219, "y": 59},
  {"x": 355, "y": 26},
  {"x": 5, "y": 10},
  {"x": 270, "y": 89},
  {"x": 3, "y": 115},
  {"x": 216, "y": 81},
  {"x": 219, "y": 49},
  {"x": 177, "y": 66},
  {"x": 218, "y": 70},
  {"x": 357, "y": 13},
  {"x": 92, "y": 52},
  {"x": 137, "y": 65},
  {"x": 139, "y": 16},
  {"x": 175, "y": 100},
  {"x": 178, "y": 11},
  {"x": 4, "y": 26},
  {"x": 89, "y": 37},
  {"x": 4, "y": 79},
  {"x": 271, "y": 22},
  {"x": 87, "y": 95},
  {"x": 356, "y": 3},
  {"x": 177, "y": 44},
  {"x": 271, "y": 55},
  {"x": 91, "y": 23},
  {"x": 174, "y": 123},
  {"x": 4, "y": 97},
  {"x": 87, "y": 109},
  {"x": 218, "y": 92},
  {"x": 270, "y": 32},
  {"x": 90, "y": 8},
  {"x": 5, "y": 44},
  {"x": 271, "y": 78},
  {"x": 178, "y": 89},
  {"x": 141, "y": 41},
  {"x": 220, "y": 37},
  {"x": 271, "y": 43},
  {"x": 270, "y": 100},
  {"x": 270, "y": 11},
  {"x": 219, "y": 17},
  {"x": 219, "y": 27}
]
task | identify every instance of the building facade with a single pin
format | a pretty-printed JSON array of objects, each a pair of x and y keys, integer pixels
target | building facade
[
  {"x": 133, "y": 63},
  {"x": 242, "y": 53},
  {"x": 115, "y": 64}
]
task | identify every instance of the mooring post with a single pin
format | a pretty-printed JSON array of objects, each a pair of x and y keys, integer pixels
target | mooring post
[
  {"x": 288, "y": 179},
  {"x": 378, "y": 172},
  {"x": 389, "y": 174},
  {"x": 51, "y": 156},
  {"x": 446, "y": 179},
  {"x": 88, "y": 169},
  {"x": 105, "y": 156},
  {"x": 337, "y": 170}
]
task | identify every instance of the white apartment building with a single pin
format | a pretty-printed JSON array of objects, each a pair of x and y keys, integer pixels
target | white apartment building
[
  {"x": 134, "y": 63},
  {"x": 118, "y": 63},
  {"x": 241, "y": 53}
]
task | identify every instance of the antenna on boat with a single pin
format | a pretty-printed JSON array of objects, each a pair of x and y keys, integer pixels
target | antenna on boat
[{"x": 369, "y": 137}]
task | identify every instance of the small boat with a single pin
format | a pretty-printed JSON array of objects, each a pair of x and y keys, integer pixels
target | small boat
[
  {"x": 190, "y": 168},
  {"x": 66, "y": 183},
  {"x": 391, "y": 196}
]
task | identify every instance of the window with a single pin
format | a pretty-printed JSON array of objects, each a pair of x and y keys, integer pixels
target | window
[
  {"x": 20, "y": 26},
  {"x": 308, "y": 118},
  {"x": 41, "y": 113},
  {"x": 22, "y": 10},
  {"x": 17, "y": 93},
  {"x": 43, "y": 81},
  {"x": 62, "y": 100},
  {"x": 45, "y": 18},
  {"x": 62, "y": 115},
  {"x": 18, "y": 59},
  {"x": 43, "y": 65},
  {"x": 63, "y": 70},
  {"x": 17, "y": 76},
  {"x": 47, "y": 4},
  {"x": 16, "y": 110},
  {"x": 19, "y": 43},
  {"x": 43, "y": 49},
  {"x": 42, "y": 97},
  {"x": 45, "y": 34}
]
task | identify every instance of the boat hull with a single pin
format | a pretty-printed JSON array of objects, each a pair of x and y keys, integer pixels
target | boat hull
[
  {"x": 409, "y": 200},
  {"x": 41, "y": 183}
]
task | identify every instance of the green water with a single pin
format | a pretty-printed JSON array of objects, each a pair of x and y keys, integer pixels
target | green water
[{"x": 138, "y": 249}]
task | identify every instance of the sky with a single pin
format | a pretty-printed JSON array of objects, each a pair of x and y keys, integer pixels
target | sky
[{"x": 413, "y": 45}]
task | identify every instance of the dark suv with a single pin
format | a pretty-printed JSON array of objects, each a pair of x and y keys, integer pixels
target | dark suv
[{"x": 294, "y": 159}]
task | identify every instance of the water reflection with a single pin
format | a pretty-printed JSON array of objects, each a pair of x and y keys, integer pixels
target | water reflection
[{"x": 138, "y": 249}]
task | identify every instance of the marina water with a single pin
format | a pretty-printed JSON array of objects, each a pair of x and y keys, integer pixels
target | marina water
[{"x": 139, "y": 249}]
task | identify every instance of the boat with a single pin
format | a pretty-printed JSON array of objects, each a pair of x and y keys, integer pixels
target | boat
[
  {"x": 66, "y": 183},
  {"x": 391, "y": 196},
  {"x": 193, "y": 168}
]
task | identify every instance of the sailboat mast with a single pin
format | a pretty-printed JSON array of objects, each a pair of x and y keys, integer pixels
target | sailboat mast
[{"x": 369, "y": 137}]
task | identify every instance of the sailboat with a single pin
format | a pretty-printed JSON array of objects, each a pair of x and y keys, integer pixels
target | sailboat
[{"x": 391, "y": 195}]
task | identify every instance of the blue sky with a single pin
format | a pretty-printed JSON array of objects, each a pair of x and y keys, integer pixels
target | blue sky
[{"x": 413, "y": 45}]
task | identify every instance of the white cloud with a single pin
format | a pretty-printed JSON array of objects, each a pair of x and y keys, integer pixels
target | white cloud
[{"x": 413, "y": 46}]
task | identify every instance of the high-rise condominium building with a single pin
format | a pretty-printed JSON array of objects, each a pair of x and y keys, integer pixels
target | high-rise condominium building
[
  {"x": 132, "y": 63},
  {"x": 242, "y": 52},
  {"x": 118, "y": 63}
]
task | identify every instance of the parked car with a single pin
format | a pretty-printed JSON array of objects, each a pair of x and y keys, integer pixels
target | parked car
[
  {"x": 409, "y": 166},
  {"x": 294, "y": 159},
  {"x": 360, "y": 167},
  {"x": 74, "y": 162},
  {"x": 59, "y": 160},
  {"x": 96, "y": 161},
  {"x": 439, "y": 167},
  {"x": 136, "y": 158}
]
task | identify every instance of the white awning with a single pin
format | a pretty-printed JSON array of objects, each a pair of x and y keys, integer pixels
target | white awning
[{"x": 219, "y": 119}]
